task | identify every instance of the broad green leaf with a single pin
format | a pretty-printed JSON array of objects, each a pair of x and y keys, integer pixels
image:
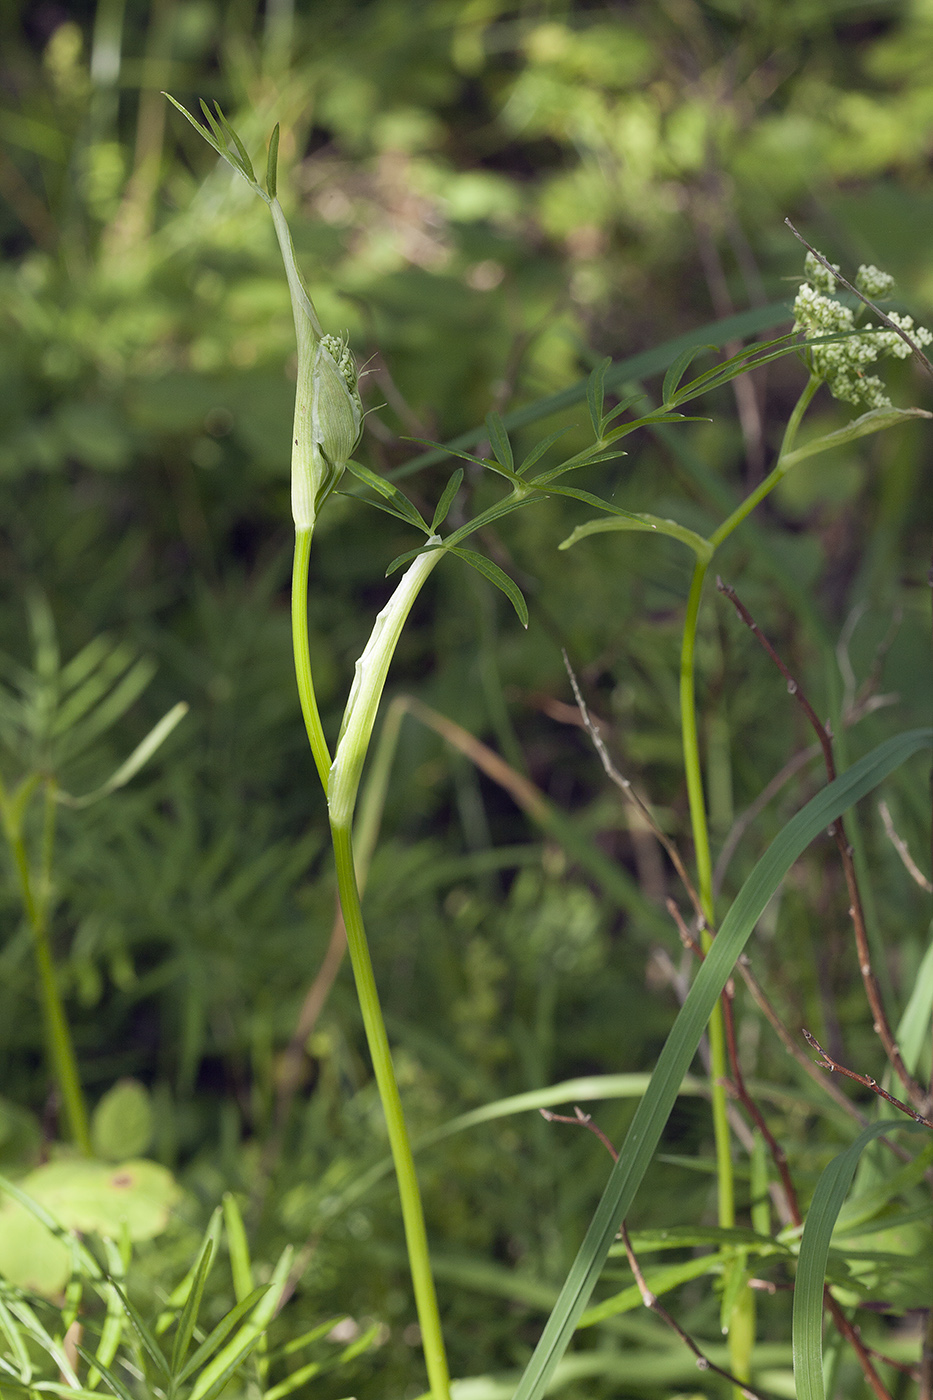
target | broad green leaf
[
  {"x": 499, "y": 441},
  {"x": 495, "y": 575},
  {"x": 824, "y": 1209},
  {"x": 681, "y": 1044},
  {"x": 873, "y": 422},
  {"x": 121, "y": 1125},
  {"x": 640, "y": 521},
  {"x": 77, "y": 1194}
]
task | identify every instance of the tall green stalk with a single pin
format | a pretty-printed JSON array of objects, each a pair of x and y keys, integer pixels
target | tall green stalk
[
  {"x": 741, "y": 1337},
  {"x": 416, "y": 1238},
  {"x": 340, "y": 780}
]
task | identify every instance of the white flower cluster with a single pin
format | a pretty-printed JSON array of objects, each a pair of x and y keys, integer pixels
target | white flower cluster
[
  {"x": 873, "y": 282},
  {"x": 841, "y": 364}
]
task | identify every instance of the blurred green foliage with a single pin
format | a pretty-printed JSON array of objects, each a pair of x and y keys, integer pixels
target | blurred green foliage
[{"x": 488, "y": 198}]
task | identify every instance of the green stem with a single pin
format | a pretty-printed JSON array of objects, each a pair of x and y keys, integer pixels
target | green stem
[
  {"x": 774, "y": 476},
  {"x": 302, "y": 656},
  {"x": 412, "y": 1213},
  {"x": 36, "y": 904},
  {"x": 741, "y": 1337},
  {"x": 700, "y": 827}
]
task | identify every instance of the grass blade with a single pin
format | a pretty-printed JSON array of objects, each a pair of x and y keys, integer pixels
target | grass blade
[
  {"x": 681, "y": 1045},
  {"x": 188, "y": 1320},
  {"x": 830, "y": 1193}
]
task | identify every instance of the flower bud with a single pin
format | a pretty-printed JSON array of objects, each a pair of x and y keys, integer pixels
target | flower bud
[{"x": 328, "y": 424}]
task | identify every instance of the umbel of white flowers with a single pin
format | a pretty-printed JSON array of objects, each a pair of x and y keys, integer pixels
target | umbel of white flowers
[{"x": 841, "y": 364}]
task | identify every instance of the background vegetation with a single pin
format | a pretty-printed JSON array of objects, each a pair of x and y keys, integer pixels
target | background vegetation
[{"x": 489, "y": 199}]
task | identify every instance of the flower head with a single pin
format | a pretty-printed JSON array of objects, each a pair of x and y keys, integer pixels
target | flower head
[{"x": 841, "y": 364}]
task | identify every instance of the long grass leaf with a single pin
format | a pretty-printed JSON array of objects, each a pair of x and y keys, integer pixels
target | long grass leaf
[
  {"x": 681, "y": 1045},
  {"x": 827, "y": 1202}
]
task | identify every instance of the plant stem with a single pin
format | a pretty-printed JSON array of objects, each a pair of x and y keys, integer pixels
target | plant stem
[
  {"x": 412, "y": 1213},
  {"x": 302, "y": 655},
  {"x": 774, "y": 476},
  {"x": 700, "y": 826},
  {"x": 741, "y": 1337},
  {"x": 36, "y": 898}
]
